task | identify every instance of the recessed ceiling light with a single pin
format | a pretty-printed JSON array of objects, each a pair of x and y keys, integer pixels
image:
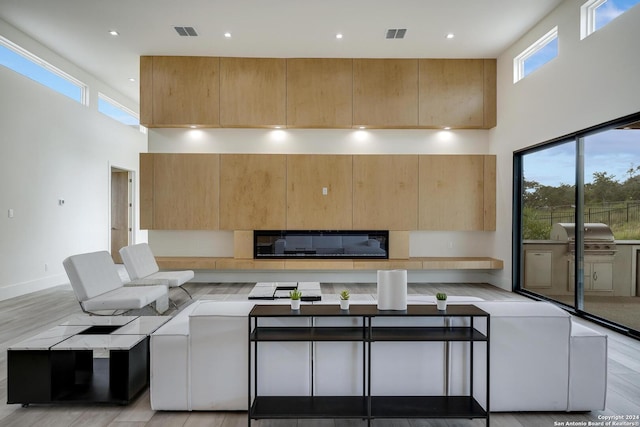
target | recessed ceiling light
[
  {"x": 339, "y": 35},
  {"x": 114, "y": 33},
  {"x": 450, "y": 35},
  {"x": 227, "y": 35}
]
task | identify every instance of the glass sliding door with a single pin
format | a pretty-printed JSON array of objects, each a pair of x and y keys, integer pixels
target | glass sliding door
[
  {"x": 577, "y": 222},
  {"x": 547, "y": 198},
  {"x": 612, "y": 200}
]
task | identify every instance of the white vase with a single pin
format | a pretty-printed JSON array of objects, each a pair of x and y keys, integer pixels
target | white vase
[
  {"x": 442, "y": 305},
  {"x": 295, "y": 304},
  {"x": 344, "y": 304}
]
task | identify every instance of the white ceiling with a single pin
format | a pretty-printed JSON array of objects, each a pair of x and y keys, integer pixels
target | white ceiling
[{"x": 78, "y": 29}]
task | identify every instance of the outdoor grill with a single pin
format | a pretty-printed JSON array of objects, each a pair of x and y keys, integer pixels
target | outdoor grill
[{"x": 598, "y": 239}]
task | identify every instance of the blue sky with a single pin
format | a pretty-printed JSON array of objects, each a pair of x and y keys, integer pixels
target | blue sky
[
  {"x": 613, "y": 151},
  {"x": 611, "y": 9}
]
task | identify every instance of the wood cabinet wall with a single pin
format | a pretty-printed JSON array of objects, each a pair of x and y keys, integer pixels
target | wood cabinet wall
[
  {"x": 185, "y": 191},
  {"x": 253, "y": 192},
  {"x": 257, "y": 191},
  {"x": 454, "y": 190},
  {"x": 385, "y": 192},
  {"x": 385, "y": 92},
  {"x": 317, "y": 93},
  {"x": 319, "y": 192},
  {"x": 179, "y": 90},
  {"x": 252, "y": 92}
]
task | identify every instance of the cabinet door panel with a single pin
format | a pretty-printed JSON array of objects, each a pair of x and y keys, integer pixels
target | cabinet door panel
[
  {"x": 186, "y": 190},
  {"x": 307, "y": 206},
  {"x": 452, "y": 93},
  {"x": 490, "y": 93},
  {"x": 385, "y": 192},
  {"x": 489, "y": 184},
  {"x": 385, "y": 92},
  {"x": 146, "y": 191},
  {"x": 253, "y": 192},
  {"x": 319, "y": 93},
  {"x": 146, "y": 91},
  {"x": 186, "y": 90},
  {"x": 252, "y": 92},
  {"x": 451, "y": 192}
]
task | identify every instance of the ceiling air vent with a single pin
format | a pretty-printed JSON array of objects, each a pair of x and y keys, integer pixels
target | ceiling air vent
[
  {"x": 396, "y": 33},
  {"x": 186, "y": 31}
]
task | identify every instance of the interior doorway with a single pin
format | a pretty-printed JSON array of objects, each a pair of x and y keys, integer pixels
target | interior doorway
[{"x": 121, "y": 206}]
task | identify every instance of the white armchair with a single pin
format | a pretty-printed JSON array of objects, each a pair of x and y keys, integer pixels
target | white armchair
[
  {"x": 98, "y": 287},
  {"x": 143, "y": 269}
]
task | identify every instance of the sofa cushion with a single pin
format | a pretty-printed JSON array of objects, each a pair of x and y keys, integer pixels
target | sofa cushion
[
  {"x": 529, "y": 335},
  {"x": 587, "y": 369},
  {"x": 92, "y": 274},
  {"x": 126, "y": 298},
  {"x": 139, "y": 260},
  {"x": 172, "y": 278}
]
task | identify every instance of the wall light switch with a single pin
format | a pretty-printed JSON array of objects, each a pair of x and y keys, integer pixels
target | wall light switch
[
  {"x": 10, "y": 213},
  {"x": 325, "y": 191}
]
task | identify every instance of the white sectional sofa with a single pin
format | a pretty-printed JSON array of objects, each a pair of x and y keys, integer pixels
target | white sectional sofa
[{"x": 541, "y": 360}]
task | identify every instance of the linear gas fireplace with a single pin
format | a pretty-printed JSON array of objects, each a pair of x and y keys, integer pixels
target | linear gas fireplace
[{"x": 309, "y": 244}]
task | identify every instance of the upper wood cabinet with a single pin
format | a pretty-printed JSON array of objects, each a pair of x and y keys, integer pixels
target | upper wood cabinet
[
  {"x": 385, "y": 192},
  {"x": 457, "y": 92},
  {"x": 456, "y": 192},
  {"x": 319, "y": 192},
  {"x": 179, "y": 91},
  {"x": 385, "y": 92},
  {"x": 252, "y": 92},
  {"x": 319, "y": 93},
  {"x": 253, "y": 192},
  {"x": 185, "y": 191}
]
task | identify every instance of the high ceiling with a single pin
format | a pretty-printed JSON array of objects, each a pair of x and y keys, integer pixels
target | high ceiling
[{"x": 79, "y": 29}]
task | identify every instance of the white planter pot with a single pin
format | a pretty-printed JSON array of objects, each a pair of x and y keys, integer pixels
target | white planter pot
[
  {"x": 295, "y": 304},
  {"x": 344, "y": 304},
  {"x": 442, "y": 305}
]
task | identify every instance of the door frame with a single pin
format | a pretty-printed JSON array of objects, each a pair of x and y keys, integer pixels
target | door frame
[{"x": 131, "y": 203}]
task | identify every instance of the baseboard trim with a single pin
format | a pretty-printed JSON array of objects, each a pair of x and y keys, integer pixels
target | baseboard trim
[{"x": 18, "y": 289}]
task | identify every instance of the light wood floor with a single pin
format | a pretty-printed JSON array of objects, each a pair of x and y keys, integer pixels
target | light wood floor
[{"x": 24, "y": 316}]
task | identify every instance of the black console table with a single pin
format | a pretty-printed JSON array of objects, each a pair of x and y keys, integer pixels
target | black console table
[{"x": 367, "y": 406}]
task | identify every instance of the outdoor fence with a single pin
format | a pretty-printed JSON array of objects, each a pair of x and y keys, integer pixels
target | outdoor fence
[{"x": 610, "y": 215}]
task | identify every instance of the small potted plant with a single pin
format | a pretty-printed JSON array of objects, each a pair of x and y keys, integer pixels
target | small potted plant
[
  {"x": 344, "y": 300},
  {"x": 295, "y": 299},
  {"x": 441, "y": 301}
]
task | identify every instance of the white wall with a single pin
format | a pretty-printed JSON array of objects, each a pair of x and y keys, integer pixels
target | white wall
[
  {"x": 54, "y": 148},
  {"x": 325, "y": 141},
  {"x": 590, "y": 82}
]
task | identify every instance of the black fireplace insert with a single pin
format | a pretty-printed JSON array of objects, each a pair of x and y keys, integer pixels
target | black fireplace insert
[{"x": 332, "y": 244}]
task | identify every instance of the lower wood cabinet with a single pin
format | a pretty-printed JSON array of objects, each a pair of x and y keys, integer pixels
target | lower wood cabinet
[
  {"x": 253, "y": 191},
  {"x": 185, "y": 191},
  {"x": 317, "y": 192},
  {"x": 453, "y": 191}
]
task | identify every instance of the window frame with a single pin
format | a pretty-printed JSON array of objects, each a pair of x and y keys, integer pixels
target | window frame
[
  {"x": 116, "y": 104},
  {"x": 535, "y": 47},
  {"x": 84, "y": 88}
]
